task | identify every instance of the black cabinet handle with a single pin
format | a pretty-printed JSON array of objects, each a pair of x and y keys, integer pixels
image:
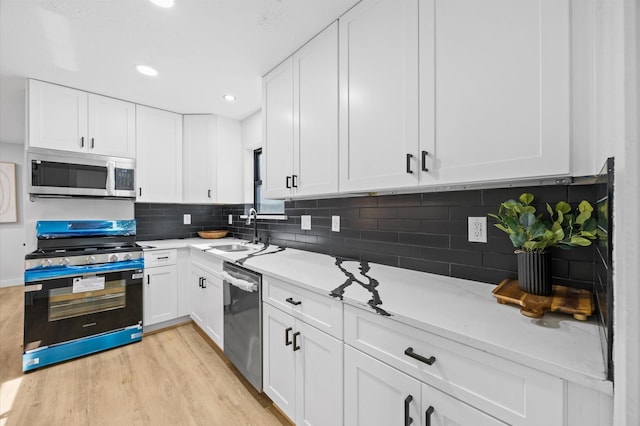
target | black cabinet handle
[
  {"x": 288, "y": 183},
  {"x": 208, "y": 193},
  {"x": 295, "y": 341},
  {"x": 424, "y": 161},
  {"x": 163, "y": 257},
  {"x": 407, "y": 418},
  {"x": 294, "y": 179},
  {"x": 427, "y": 420},
  {"x": 140, "y": 191},
  {"x": 409, "y": 157},
  {"x": 92, "y": 143},
  {"x": 204, "y": 282},
  {"x": 148, "y": 279},
  {"x": 293, "y": 302},
  {"x": 287, "y": 339},
  {"x": 82, "y": 142},
  {"x": 428, "y": 361},
  {"x": 199, "y": 281}
]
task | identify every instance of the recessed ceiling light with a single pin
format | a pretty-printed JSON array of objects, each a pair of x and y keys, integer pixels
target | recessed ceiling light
[
  {"x": 146, "y": 70},
  {"x": 162, "y": 3},
  {"x": 229, "y": 98}
]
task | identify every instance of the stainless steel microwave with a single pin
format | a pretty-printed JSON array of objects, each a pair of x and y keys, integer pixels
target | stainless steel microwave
[{"x": 58, "y": 173}]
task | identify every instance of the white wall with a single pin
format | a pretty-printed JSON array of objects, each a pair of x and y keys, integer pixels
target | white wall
[
  {"x": 251, "y": 140},
  {"x": 12, "y": 236}
]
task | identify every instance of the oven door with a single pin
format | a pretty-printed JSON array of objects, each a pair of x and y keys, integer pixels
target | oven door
[{"x": 84, "y": 301}]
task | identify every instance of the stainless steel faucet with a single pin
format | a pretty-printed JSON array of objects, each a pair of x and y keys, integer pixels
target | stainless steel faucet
[{"x": 254, "y": 213}]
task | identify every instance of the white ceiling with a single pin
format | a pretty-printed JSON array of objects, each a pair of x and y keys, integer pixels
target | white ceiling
[{"x": 202, "y": 50}]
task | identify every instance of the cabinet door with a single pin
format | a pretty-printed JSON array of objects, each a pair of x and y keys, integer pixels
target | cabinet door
[
  {"x": 278, "y": 358},
  {"x": 379, "y": 95},
  {"x": 159, "y": 155},
  {"x": 112, "y": 127},
  {"x": 199, "y": 159},
  {"x": 277, "y": 107},
  {"x": 214, "y": 308},
  {"x": 160, "y": 294},
  {"x": 197, "y": 296},
  {"x": 376, "y": 394},
  {"x": 495, "y": 89},
  {"x": 440, "y": 409},
  {"x": 57, "y": 117},
  {"x": 318, "y": 377},
  {"x": 316, "y": 113}
]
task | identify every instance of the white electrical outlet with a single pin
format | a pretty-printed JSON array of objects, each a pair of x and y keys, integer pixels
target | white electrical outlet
[
  {"x": 335, "y": 223},
  {"x": 187, "y": 219},
  {"x": 305, "y": 222},
  {"x": 230, "y": 219},
  {"x": 478, "y": 229}
]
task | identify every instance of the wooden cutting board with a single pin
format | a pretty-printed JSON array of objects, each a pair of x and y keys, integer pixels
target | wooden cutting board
[{"x": 576, "y": 302}]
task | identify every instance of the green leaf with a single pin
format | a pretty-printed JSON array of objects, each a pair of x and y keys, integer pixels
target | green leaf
[
  {"x": 563, "y": 207},
  {"x": 527, "y": 220},
  {"x": 583, "y": 217},
  {"x": 550, "y": 210},
  {"x": 511, "y": 223},
  {"x": 517, "y": 239},
  {"x": 590, "y": 225},
  {"x": 502, "y": 228},
  {"x": 538, "y": 230},
  {"x": 580, "y": 241},
  {"x": 526, "y": 198},
  {"x": 556, "y": 226},
  {"x": 528, "y": 209},
  {"x": 530, "y": 245},
  {"x": 559, "y": 233},
  {"x": 585, "y": 207}
]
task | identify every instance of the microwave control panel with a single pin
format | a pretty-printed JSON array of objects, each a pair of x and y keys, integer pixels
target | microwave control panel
[{"x": 125, "y": 179}]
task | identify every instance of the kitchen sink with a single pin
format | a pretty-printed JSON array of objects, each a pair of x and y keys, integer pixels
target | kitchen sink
[{"x": 231, "y": 247}]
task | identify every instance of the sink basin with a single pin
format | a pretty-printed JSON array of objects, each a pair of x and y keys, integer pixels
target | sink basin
[{"x": 231, "y": 248}]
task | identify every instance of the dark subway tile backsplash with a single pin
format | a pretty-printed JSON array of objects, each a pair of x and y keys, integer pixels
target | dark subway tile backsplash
[{"x": 424, "y": 232}]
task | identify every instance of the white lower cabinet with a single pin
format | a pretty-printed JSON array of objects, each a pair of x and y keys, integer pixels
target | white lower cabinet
[
  {"x": 440, "y": 409},
  {"x": 159, "y": 295},
  {"x": 160, "y": 287},
  {"x": 206, "y": 295},
  {"x": 302, "y": 369}
]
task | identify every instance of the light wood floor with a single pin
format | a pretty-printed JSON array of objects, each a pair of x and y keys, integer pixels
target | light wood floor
[{"x": 173, "y": 377}]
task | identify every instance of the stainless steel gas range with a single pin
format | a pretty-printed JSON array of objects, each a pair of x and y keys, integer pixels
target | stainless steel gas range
[{"x": 83, "y": 290}]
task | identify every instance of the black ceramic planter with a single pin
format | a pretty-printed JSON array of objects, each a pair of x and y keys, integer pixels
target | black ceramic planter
[{"x": 534, "y": 272}]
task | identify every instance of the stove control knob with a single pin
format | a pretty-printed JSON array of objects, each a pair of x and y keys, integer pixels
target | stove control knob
[
  {"x": 45, "y": 263},
  {"x": 64, "y": 261},
  {"x": 91, "y": 259},
  {"x": 128, "y": 256},
  {"x": 113, "y": 258}
]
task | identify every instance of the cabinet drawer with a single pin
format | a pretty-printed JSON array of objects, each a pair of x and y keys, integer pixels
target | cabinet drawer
[
  {"x": 511, "y": 392},
  {"x": 317, "y": 310},
  {"x": 155, "y": 258},
  {"x": 206, "y": 260}
]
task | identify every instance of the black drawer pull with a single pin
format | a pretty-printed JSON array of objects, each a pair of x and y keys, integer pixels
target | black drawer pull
[
  {"x": 92, "y": 143},
  {"x": 407, "y": 418},
  {"x": 287, "y": 339},
  {"x": 427, "y": 421},
  {"x": 295, "y": 341},
  {"x": 204, "y": 281},
  {"x": 208, "y": 193},
  {"x": 82, "y": 142},
  {"x": 199, "y": 281},
  {"x": 294, "y": 182},
  {"x": 428, "y": 361},
  {"x": 293, "y": 302},
  {"x": 148, "y": 279},
  {"x": 409, "y": 157},
  {"x": 288, "y": 182},
  {"x": 424, "y": 161},
  {"x": 163, "y": 257}
]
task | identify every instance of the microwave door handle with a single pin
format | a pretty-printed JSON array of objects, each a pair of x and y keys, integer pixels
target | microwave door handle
[{"x": 111, "y": 178}]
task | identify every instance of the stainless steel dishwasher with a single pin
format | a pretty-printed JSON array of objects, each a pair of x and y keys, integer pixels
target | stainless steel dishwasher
[{"x": 243, "y": 321}]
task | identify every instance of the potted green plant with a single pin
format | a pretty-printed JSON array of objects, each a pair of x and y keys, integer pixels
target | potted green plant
[{"x": 532, "y": 235}]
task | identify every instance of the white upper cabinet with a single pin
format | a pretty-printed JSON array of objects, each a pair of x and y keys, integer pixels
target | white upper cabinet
[
  {"x": 379, "y": 95},
  {"x": 72, "y": 120},
  {"x": 112, "y": 127},
  {"x": 199, "y": 156},
  {"x": 301, "y": 120},
  {"x": 494, "y": 89},
  {"x": 159, "y": 155}
]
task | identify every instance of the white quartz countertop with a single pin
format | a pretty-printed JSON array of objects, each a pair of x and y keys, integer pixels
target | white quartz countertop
[{"x": 461, "y": 310}]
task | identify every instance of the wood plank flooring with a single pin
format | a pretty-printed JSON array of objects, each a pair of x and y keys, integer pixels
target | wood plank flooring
[{"x": 173, "y": 377}]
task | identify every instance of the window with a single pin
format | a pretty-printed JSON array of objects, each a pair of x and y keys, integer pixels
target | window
[{"x": 263, "y": 206}]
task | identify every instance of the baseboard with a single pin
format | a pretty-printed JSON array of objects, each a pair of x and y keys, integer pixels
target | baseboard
[
  {"x": 161, "y": 326},
  {"x": 13, "y": 282}
]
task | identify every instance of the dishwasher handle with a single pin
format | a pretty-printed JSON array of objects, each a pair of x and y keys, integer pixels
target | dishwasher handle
[{"x": 240, "y": 283}]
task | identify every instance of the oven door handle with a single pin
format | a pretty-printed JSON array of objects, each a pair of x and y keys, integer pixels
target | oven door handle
[{"x": 55, "y": 272}]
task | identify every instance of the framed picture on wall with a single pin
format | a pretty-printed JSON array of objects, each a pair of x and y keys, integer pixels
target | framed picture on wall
[{"x": 8, "y": 207}]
